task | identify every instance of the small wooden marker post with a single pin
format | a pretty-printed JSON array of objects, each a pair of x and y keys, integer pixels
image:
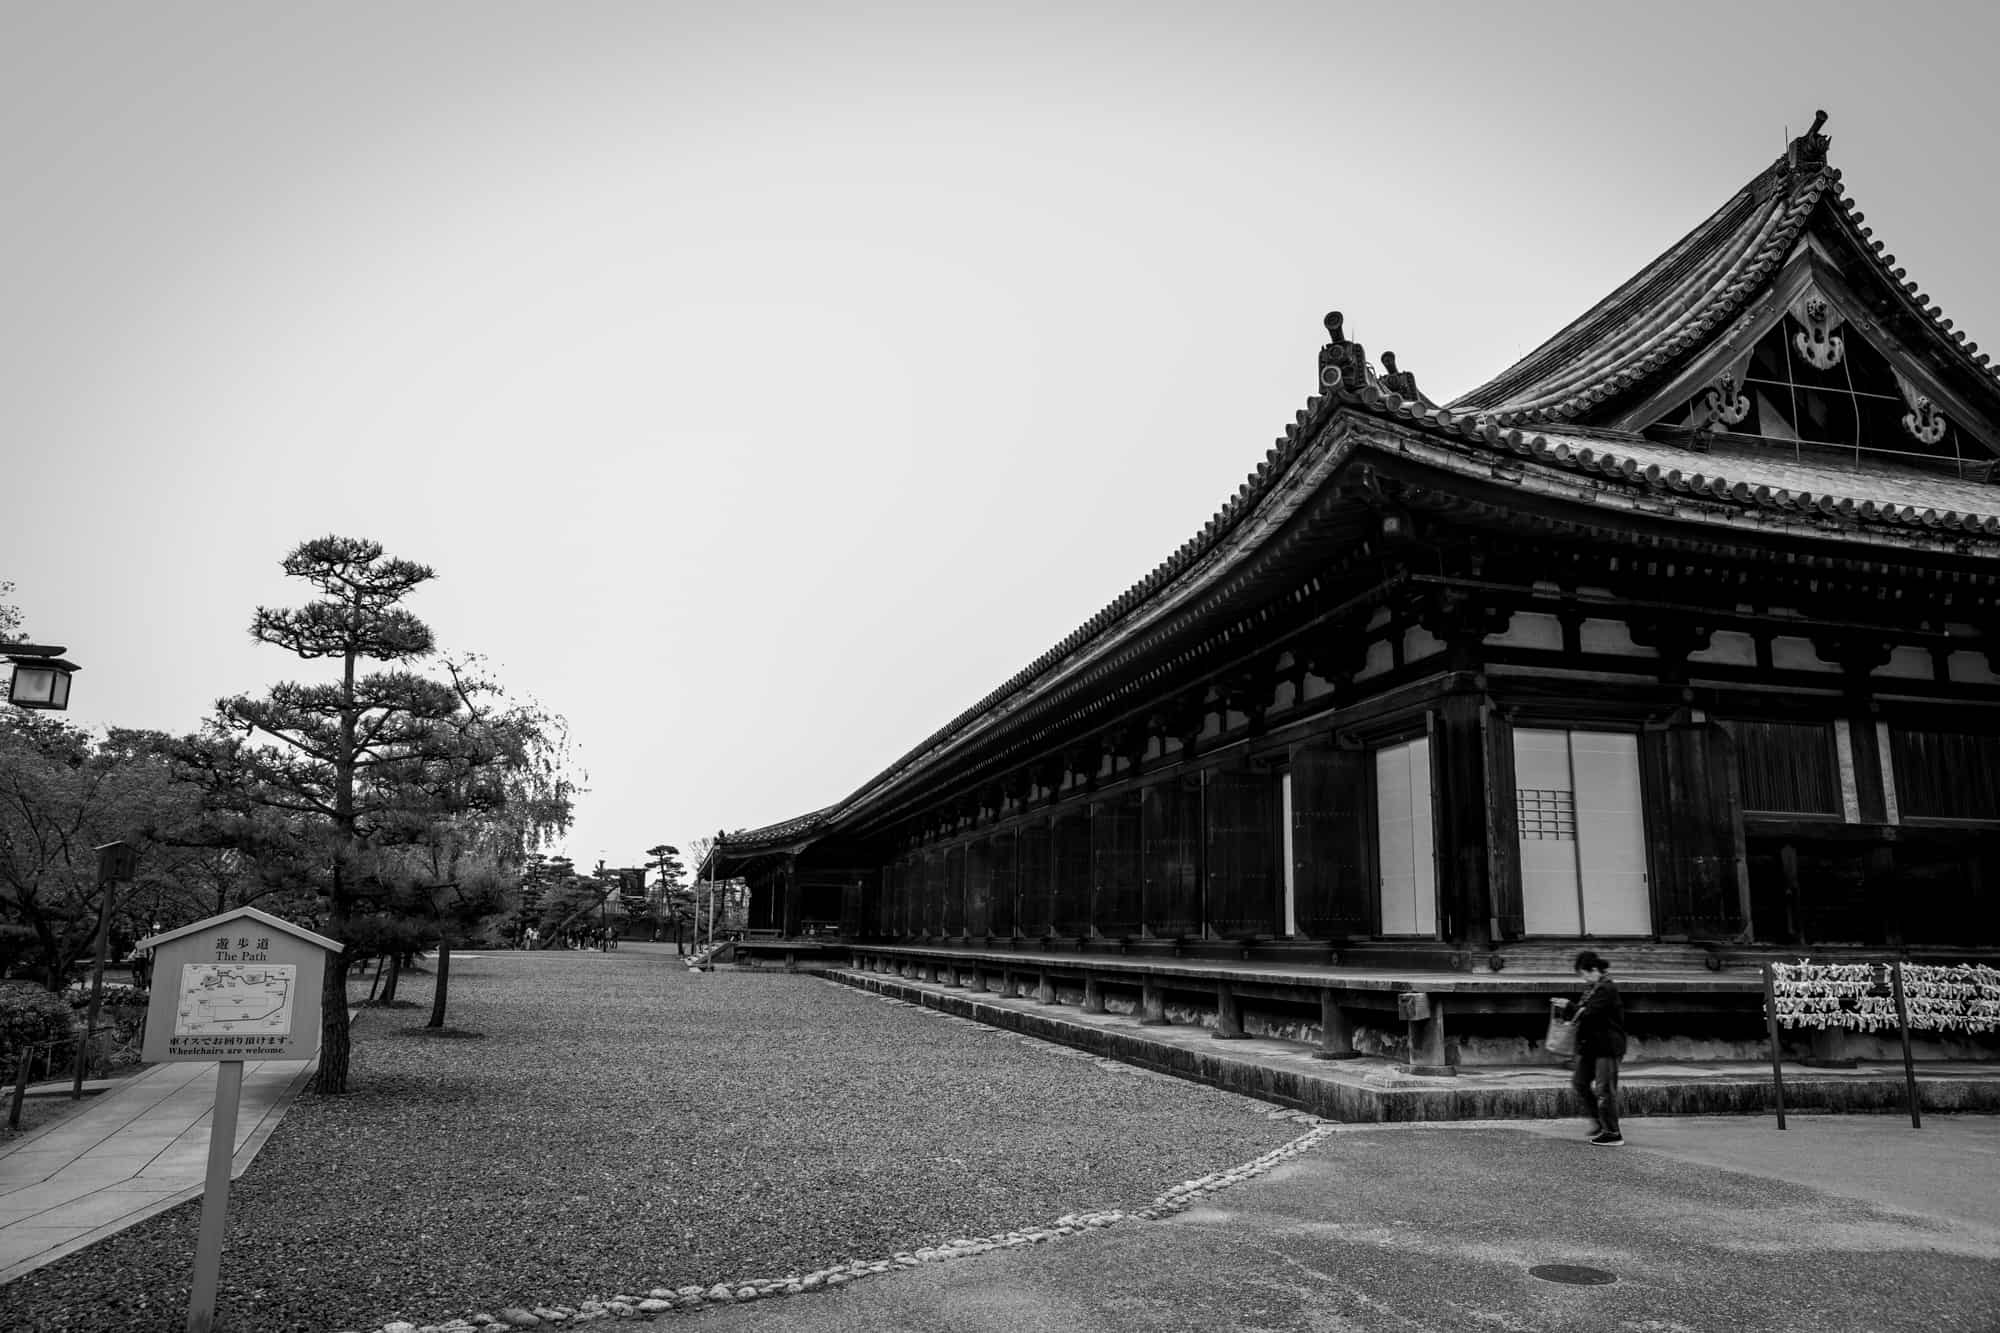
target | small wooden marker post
[
  {"x": 240, "y": 986},
  {"x": 116, "y": 862},
  {"x": 1771, "y": 1024}
]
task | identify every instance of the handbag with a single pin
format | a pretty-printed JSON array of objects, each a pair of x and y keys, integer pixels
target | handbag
[{"x": 1561, "y": 1038}]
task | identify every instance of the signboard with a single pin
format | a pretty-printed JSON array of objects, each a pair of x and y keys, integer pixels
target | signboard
[{"x": 241, "y": 986}]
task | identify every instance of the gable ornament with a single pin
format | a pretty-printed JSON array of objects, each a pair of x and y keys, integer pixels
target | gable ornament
[
  {"x": 1818, "y": 342},
  {"x": 1923, "y": 421},
  {"x": 1722, "y": 405}
]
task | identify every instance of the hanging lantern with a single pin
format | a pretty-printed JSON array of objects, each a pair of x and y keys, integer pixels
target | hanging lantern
[{"x": 41, "y": 676}]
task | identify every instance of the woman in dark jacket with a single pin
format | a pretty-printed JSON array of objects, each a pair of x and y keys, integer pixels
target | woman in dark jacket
[{"x": 1600, "y": 1044}]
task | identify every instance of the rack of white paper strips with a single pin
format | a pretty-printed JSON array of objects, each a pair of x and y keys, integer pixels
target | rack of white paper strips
[
  {"x": 1878, "y": 997},
  {"x": 1860, "y": 997}
]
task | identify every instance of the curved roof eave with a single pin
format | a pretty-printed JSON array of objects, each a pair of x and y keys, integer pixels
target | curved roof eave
[{"x": 1106, "y": 624}]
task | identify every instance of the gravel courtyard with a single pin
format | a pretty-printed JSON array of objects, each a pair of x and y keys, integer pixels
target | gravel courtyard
[{"x": 618, "y": 1124}]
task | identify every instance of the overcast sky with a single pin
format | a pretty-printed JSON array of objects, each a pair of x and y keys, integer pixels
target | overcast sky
[{"x": 766, "y": 383}]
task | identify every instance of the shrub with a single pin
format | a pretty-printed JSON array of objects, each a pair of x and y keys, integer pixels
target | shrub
[
  {"x": 29, "y": 1014},
  {"x": 113, "y": 995}
]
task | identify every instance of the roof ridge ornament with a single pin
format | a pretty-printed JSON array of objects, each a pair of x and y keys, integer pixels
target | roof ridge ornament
[
  {"x": 1809, "y": 149},
  {"x": 1343, "y": 363},
  {"x": 1400, "y": 382}
]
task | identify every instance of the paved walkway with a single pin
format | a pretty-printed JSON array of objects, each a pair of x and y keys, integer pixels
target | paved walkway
[
  {"x": 130, "y": 1153},
  {"x": 1844, "y": 1224}
]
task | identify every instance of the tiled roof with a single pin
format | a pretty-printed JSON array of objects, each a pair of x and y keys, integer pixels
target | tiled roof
[
  {"x": 784, "y": 831},
  {"x": 1672, "y": 303},
  {"x": 1640, "y": 332},
  {"x": 1631, "y": 336}
]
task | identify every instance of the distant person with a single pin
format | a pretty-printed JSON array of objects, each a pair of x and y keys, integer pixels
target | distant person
[{"x": 1599, "y": 1016}]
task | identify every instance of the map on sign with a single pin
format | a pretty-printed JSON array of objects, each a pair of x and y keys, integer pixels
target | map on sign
[{"x": 219, "y": 999}]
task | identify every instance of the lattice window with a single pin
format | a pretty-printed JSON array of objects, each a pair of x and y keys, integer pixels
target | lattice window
[{"x": 1546, "y": 812}]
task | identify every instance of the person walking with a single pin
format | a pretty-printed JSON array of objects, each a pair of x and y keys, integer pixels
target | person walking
[{"x": 1600, "y": 1044}]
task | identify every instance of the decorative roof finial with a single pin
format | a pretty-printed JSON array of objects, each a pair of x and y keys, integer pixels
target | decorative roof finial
[
  {"x": 1342, "y": 363},
  {"x": 1809, "y": 149},
  {"x": 1400, "y": 382}
]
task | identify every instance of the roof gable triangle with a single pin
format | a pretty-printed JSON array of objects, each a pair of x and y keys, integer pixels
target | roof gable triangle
[{"x": 1644, "y": 349}]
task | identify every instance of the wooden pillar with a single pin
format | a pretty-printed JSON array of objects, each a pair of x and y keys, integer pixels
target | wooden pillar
[
  {"x": 1424, "y": 1017},
  {"x": 791, "y": 961},
  {"x": 978, "y": 982},
  {"x": 1228, "y": 1013},
  {"x": 1336, "y": 1030},
  {"x": 931, "y": 973},
  {"x": 790, "y": 881},
  {"x": 1007, "y": 991},
  {"x": 1865, "y": 745},
  {"x": 1458, "y": 768},
  {"x": 1152, "y": 1004},
  {"x": 1093, "y": 995},
  {"x": 1045, "y": 989},
  {"x": 954, "y": 976}
]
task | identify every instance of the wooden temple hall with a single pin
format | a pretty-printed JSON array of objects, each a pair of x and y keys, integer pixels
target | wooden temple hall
[{"x": 1679, "y": 637}]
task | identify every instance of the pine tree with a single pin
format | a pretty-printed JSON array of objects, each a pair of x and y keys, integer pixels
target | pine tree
[{"x": 338, "y": 756}]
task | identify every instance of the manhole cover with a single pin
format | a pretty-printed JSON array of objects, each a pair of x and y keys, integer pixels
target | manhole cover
[{"x": 1574, "y": 1274}]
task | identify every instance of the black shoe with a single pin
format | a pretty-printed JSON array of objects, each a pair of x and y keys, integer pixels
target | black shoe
[{"x": 1607, "y": 1140}]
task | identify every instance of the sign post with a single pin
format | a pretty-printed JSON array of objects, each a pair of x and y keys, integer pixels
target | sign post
[
  {"x": 215, "y": 1197},
  {"x": 240, "y": 986}
]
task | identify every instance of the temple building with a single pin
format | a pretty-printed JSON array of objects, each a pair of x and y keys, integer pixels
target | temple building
[{"x": 1682, "y": 633}]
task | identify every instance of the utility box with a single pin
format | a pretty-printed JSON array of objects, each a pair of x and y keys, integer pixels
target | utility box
[{"x": 244, "y": 985}]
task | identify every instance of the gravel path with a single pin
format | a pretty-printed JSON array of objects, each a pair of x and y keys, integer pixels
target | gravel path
[{"x": 621, "y": 1124}]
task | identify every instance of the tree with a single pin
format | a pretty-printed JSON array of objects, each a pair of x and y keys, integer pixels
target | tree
[
  {"x": 579, "y": 904},
  {"x": 494, "y": 786},
  {"x": 334, "y": 756},
  {"x": 667, "y": 893},
  {"x": 10, "y": 629},
  {"x": 62, "y": 795}
]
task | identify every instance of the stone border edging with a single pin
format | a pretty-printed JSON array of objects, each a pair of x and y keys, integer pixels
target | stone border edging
[{"x": 1412, "y": 1099}]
